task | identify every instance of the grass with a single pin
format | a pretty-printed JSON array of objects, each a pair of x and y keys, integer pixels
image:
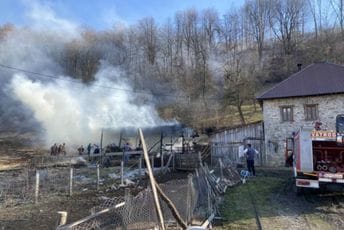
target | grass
[
  {"x": 238, "y": 210},
  {"x": 278, "y": 207}
]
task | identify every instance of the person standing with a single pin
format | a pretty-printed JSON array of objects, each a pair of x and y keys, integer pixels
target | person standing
[
  {"x": 250, "y": 155},
  {"x": 89, "y": 147},
  {"x": 81, "y": 150},
  {"x": 63, "y": 149}
]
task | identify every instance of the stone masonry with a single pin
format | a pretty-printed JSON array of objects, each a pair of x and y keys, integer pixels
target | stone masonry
[{"x": 276, "y": 131}]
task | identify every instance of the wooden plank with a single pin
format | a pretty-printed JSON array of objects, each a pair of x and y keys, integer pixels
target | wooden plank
[
  {"x": 70, "y": 226},
  {"x": 152, "y": 181}
]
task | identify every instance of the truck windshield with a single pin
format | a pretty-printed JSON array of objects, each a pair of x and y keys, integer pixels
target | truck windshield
[{"x": 340, "y": 123}]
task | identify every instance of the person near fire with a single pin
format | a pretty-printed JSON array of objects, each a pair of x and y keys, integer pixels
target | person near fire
[{"x": 250, "y": 155}]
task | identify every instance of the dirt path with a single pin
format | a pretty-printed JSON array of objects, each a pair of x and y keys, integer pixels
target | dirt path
[{"x": 278, "y": 207}]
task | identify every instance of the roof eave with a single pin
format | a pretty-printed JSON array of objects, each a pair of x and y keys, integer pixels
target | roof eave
[{"x": 308, "y": 95}]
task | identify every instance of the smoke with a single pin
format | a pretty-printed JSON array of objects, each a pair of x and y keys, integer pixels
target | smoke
[
  {"x": 75, "y": 113},
  {"x": 41, "y": 16},
  {"x": 61, "y": 109}
]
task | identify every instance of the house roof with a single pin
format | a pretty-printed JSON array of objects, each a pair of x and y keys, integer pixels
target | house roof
[{"x": 316, "y": 79}]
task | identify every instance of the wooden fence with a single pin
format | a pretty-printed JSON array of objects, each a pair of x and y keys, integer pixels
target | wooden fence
[{"x": 228, "y": 143}]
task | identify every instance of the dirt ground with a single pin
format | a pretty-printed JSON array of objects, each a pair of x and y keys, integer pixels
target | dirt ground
[
  {"x": 44, "y": 214},
  {"x": 269, "y": 201}
]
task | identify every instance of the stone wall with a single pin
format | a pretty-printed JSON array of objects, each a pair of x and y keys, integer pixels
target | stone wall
[{"x": 276, "y": 131}]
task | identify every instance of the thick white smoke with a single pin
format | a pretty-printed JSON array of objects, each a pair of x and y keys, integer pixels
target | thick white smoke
[
  {"x": 74, "y": 113},
  {"x": 67, "y": 111}
]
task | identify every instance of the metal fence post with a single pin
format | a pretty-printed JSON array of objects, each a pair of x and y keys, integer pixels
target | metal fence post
[
  {"x": 37, "y": 186},
  {"x": 98, "y": 176},
  {"x": 221, "y": 169},
  {"x": 189, "y": 200},
  {"x": 122, "y": 173},
  {"x": 71, "y": 182}
]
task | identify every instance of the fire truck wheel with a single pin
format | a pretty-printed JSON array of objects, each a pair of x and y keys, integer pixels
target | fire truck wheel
[{"x": 298, "y": 190}]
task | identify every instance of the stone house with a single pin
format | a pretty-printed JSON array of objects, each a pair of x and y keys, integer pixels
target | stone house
[{"x": 315, "y": 93}]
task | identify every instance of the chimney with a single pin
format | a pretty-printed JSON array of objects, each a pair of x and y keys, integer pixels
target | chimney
[{"x": 299, "y": 66}]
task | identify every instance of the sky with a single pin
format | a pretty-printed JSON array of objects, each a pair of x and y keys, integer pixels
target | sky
[{"x": 103, "y": 14}]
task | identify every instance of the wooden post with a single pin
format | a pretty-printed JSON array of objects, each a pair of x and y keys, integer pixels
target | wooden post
[
  {"x": 122, "y": 173},
  {"x": 189, "y": 200},
  {"x": 161, "y": 150},
  {"x": 174, "y": 162},
  {"x": 98, "y": 176},
  {"x": 71, "y": 181},
  {"x": 101, "y": 148},
  {"x": 37, "y": 186},
  {"x": 152, "y": 181},
  {"x": 221, "y": 168},
  {"x": 153, "y": 162},
  {"x": 140, "y": 167},
  {"x": 200, "y": 158},
  {"x": 120, "y": 138},
  {"x": 209, "y": 198},
  {"x": 63, "y": 218},
  {"x": 27, "y": 179},
  {"x": 87, "y": 218},
  {"x": 212, "y": 150},
  {"x": 162, "y": 159}
]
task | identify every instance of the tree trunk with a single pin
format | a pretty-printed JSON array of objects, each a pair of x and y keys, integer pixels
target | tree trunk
[{"x": 241, "y": 115}]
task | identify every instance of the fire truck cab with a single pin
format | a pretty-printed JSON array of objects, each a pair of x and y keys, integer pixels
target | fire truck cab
[{"x": 317, "y": 156}]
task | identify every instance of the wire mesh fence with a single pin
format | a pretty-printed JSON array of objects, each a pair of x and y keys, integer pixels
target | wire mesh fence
[
  {"x": 194, "y": 199},
  {"x": 57, "y": 178}
]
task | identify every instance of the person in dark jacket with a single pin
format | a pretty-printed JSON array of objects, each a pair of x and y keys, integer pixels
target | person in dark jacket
[{"x": 250, "y": 155}]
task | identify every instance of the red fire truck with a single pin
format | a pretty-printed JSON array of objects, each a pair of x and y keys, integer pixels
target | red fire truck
[{"x": 317, "y": 156}]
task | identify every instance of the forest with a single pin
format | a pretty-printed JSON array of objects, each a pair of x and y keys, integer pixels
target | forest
[{"x": 205, "y": 69}]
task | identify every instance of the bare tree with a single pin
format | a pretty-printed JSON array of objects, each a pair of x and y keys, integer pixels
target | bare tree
[
  {"x": 231, "y": 34},
  {"x": 167, "y": 46},
  {"x": 338, "y": 7},
  {"x": 148, "y": 38},
  {"x": 285, "y": 21},
  {"x": 315, "y": 7},
  {"x": 210, "y": 26},
  {"x": 258, "y": 14},
  {"x": 239, "y": 89}
]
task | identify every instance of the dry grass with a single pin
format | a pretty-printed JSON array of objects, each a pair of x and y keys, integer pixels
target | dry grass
[{"x": 229, "y": 117}]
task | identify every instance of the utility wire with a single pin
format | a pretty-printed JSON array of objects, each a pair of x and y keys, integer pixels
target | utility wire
[
  {"x": 69, "y": 80},
  {"x": 96, "y": 85}
]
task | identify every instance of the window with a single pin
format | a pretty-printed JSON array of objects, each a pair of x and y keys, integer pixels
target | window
[
  {"x": 287, "y": 113},
  {"x": 311, "y": 112}
]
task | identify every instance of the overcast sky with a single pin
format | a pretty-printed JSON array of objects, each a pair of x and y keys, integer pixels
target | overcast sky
[{"x": 102, "y": 14}]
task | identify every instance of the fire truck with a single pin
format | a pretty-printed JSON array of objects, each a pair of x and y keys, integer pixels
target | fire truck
[{"x": 317, "y": 156}]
